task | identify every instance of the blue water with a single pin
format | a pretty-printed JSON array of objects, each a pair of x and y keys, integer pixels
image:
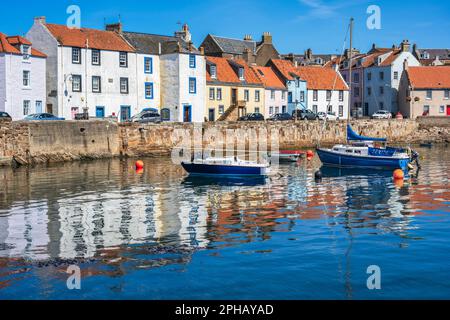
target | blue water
[{"x": 161, "y": 235}]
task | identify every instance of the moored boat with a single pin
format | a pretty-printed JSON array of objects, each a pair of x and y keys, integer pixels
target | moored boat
[{"x": 225, "y": 166}]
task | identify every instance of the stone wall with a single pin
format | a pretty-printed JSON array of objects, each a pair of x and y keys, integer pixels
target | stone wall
[{"x": 40, "y": 142}]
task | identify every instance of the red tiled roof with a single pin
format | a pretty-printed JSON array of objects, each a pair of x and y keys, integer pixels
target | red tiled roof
[
  {"x": 7, "y": 45},
  {"x": 285, "y": 67},
  {"x": 391, "y": 58},
  {"x": 429, "y": 77},
  {"x": 268, "y": 77},
  {"x": 322, "y": 78},
  {"x": 83, "y": 38},
  {"x": 226, "y": 73}
]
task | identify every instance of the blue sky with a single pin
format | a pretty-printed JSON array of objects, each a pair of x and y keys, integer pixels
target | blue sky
[{"x": 295, "y": 24}]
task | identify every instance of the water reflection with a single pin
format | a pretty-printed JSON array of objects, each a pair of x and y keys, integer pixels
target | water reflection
[{"x": 106, "y": 215}]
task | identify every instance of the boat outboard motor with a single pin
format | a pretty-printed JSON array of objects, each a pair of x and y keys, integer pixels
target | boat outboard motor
[{"x": 415, "y": 158}]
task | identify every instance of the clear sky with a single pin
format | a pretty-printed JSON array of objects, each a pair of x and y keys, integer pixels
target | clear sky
[{"x": 295, "y": 24}]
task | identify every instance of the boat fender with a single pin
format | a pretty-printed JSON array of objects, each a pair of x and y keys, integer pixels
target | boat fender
[{"x": 318, "y": 176}]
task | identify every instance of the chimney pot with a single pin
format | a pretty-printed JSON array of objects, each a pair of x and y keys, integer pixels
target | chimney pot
[
  {"x": 41, "y": 20},
  {"x": 115, "y": 27}
]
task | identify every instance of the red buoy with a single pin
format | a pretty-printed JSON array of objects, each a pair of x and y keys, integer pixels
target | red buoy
[
  {"x": 310, "y": 154},
  {"x": 139, "y": 165},
  {"x": 399, "y": 174}
]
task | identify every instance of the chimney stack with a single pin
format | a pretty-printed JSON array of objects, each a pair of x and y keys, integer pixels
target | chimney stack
[
  {"x": 115, "y": 27},
  {"x": 267, "y": 38},
  {"x": 405, "y": 46},
  {"x": 202, "y": 51},
  {"x": 405, "y": 65},
  {"x": 248, "y": 37},
  {"x": 308, "y": 54},
  {"x": 40, "y": 20},
  {"x": 248, "y": 55},
  {"x": 184, "y": 34},
  {"x": 290, "y": 57}
]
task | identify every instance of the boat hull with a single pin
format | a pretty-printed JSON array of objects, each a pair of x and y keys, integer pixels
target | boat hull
[
  {"x": 334, "y": 159},
  {"x": 226, "y": 170}
]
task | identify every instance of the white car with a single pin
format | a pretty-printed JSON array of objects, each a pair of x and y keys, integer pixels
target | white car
[
  {"x": 382, "y": 114},
  {"x": 330, "y": 116}
]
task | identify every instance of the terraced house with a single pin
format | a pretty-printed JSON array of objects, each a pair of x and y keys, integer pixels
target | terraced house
[
  {"x": 233, "y": 89},
  {"x": 22, "y": 74}
]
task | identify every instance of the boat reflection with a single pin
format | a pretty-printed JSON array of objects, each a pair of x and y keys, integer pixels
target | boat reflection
[{"x": 224, "y": 181}]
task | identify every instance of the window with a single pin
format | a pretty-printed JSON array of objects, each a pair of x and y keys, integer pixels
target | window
[
  {"x": 213, "y": 70},
  {"x": 257, "y": 96},
  {"x": 355, "y": 93},
  {"x": 369, "y": 76},
  {"x": 148, "y": 65},
  {"x": 192, "y": 85},
  {"x": 123, "y": 59},
  {"x": 381, "y": 90},
  {"x": 381, "y": 106},
  {"x": 369, "y": 91},
  {"x": 396, "y": 75},
  {"x": 96, "y": 60},
  {"x": 26, "y": 78},
  {"x": 283, "y": 95},
  {"x": 241, "y": 73},
  {"x": 270, "y": 110},
  {"x": 330, "y": 109},
  {"x": 290, "y": 97},
  {"x": 76, "y": 55},
  {"x": 314, "y": 108},
  {"x": 341, "y": 111},
  {"x": 328, "y": 95},
  {"x": 356, "y": 77},
  {"x": 315, "y": 95},
  {"x": 381, "y": 75},
  {"x": 149, "y": 90},
  {"x": 277, "y": 110},
  {"x": 446, "y": 94},
  {"x": 221, "y": 109},
  {"x": 341, "y": 95},
  {"x": 192, "y": 62},
  {"x": 124, "y": 85},
  {"x": 212, "y": 94},
  {"x": 96, "y": 84},
  {"x": 26, "y": 107},
  {"x": 257, "y": 110},
  {"x": 26, "y": 52},
  {"x": 165, "y": 114},
  {"x": 246, "y": 95},
  {"x": 219, "y": 94},
  {"x": 429, "y": 94},
  {"x": 76, "y": 83},
  {"x": 441, "y": 109},
  {"x": 426, "y": 110},
  {"x": 297, "y": 83},
  {"x": 272, "y": 94},
  {"x": 302, "y": 96}
]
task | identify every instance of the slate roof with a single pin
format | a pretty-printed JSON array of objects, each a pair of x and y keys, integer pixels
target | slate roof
[
  {"x": 92, "y": 38},
  {"x": 234, "y": 46},
  {"x": 146, "y": 43},
  {"x": 429, "y": 77},
  {"x": 443, "y": 54},
  {"x": 8, "y": 45}
]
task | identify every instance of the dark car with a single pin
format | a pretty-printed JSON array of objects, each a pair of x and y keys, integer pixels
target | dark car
[
  {"x": 280, "y": 117},
  {"x": 42, "y": 117},
  {"x": 304, "y": 115},
  {"x": 5, "y": 116},
  {"x": 147, "y": 117},
  {"x": 252, "y": 117}
]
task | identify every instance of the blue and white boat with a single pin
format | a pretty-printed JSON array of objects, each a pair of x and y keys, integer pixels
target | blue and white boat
[
  {"x": 362, "y": 153},
  {"x": 225, "y": 167}
]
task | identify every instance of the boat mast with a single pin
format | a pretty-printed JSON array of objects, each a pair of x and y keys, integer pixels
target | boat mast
[{"x": 350, "y": 80}]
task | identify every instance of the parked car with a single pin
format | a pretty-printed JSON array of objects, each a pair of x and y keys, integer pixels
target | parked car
[
  {"x": 304, "y": 114},
  {"x": 147, "y": 117},
  {"x": 280, "y": 117},
  {"x": 330, "y": 116},
  {"x": 42, "y": 117},
  {"x": 5, "y": 116},
  {"x": 382, "y": 114},
  {"x": 252, "y": 117}
]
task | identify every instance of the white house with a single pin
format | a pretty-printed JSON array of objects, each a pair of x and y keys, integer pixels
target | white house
[
  {"x": 179, "y": 73},
  {"x": 22, "y": 77},
  {"x": 88, "y": 70},
  {"x": 327, "y": 90},
  {"x": 382, "y": 77},
  {"x": 276, "y": 92}
]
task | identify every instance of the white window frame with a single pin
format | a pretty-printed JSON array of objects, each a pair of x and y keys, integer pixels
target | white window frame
[
  {"x": 76, "y": 55},
  {"x": 26, "y": 76},
  {"x": 123, "y": 59},
  {"x": 212, "y": 94},
  {"x": 95, "y": 59},
  {"x": 26, "y": 107},
  {"x": 122, "y": 82},
  {"x": 219, "y": 94},
  {"x": 97, "y": 89},
  {"x": 80, "y": 86}
]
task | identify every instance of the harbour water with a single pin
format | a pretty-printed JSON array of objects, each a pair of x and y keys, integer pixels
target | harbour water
[{"x": 159, "y": 234}]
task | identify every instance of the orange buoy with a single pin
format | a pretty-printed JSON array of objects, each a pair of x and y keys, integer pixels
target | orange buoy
[
  {"x": 139, "y": 165},
  {"x": 399, "y": 174},
  {"x": 139, "y": 171},
  {"x": 399, "y": 183},
  {"x": 310, "y": 154}
]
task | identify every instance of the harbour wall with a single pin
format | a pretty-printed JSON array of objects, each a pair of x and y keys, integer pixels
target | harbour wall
[{"x": 24, "y": 143}]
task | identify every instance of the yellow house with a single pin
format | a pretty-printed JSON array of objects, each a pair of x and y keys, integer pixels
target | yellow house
[{"x": 232, "y": 90}]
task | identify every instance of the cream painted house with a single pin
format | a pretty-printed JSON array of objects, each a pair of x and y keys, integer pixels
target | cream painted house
[{"x": 232, "y": 89}]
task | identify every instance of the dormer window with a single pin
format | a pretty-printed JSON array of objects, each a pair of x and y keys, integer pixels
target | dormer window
[
  {"x": 425, "y": 55},
  {"x": 26, "y": 52},
  {"x": 241, "y": 74},
  {"x": 319, "y": 61},
  {"x": 213, "y": 70}
]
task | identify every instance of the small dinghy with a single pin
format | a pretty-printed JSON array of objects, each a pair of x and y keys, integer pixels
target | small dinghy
[
  {"x": 289, "y": 155},
  {"x": 226, "y": 166},
  {"x": 362, "y": 153}
]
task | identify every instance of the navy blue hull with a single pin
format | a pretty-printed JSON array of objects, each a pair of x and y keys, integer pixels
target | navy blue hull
[
  {"x": 209, "y": 169},
  {"x": 342, "y": 160}
]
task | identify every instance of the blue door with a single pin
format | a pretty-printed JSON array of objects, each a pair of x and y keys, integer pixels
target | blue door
[
  {"x": 187, "y": 114},
  {"x": 38, "y": 106},
  {"x": 100, "y": 112},
  {"x": 125, "y": 113}
]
